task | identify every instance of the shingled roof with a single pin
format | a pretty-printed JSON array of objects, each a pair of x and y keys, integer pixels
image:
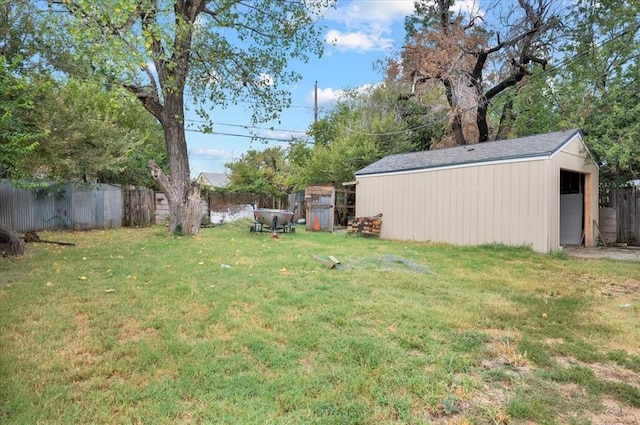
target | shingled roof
[
  {"x": 501, "y": 150},
  {"x": 215, "y": 179}
]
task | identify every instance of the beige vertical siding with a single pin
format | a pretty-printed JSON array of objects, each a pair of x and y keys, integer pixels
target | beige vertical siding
[
  {"x": 511, "y": 202},
  {"x": 471, "y": 205}
]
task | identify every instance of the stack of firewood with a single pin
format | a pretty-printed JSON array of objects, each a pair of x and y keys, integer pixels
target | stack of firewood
[{"x": 368, "y": 226}]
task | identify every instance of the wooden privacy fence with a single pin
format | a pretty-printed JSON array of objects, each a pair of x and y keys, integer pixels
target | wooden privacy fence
[
  {"x": 218, "y": 200},
  {"x": 620, "y": 214},
  {"x": 138, "y": 206},
  {"x": 627, "y": 205}
]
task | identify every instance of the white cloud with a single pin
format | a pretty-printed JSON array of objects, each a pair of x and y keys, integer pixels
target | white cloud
[
  {"x": 212, "y": 153},
  {"x": 358, "y": 41},
  {"x": 365, "y": 25},
  {"x": 265, "y": 79},
  {"x": 326, "y": 96}
]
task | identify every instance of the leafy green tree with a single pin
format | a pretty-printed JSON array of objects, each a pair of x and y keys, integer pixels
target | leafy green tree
[
  {"x": 216, "y": 51},
  {"x": 18, "y": 41},
  {"x": 93, "y": 134},
  {"x": 593, "y": 87},
  {"x": 605, "y": 74},
  {"x": 613, "y": 133},
  {"x": 19, "y": 134},
  {"x": 265, "y": 172},
  {"x": 364, "y": 126}
]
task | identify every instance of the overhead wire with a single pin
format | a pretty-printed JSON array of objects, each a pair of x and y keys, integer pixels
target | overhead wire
[
  {"x": 246, "y": 127},
  {"x": 248, "y": 136}
]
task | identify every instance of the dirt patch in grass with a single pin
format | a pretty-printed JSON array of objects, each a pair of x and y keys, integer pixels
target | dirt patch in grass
[
  {"x": 613, "y": 412},
  {"x": 504, "y": 351},
  {"x": 616, "y": 414},
  {"x": 616, "y": 373},
  {"x": 132, "y": 331},
  {"x": 77, "y": 351},
  {"x": 610, "y": 287},
  {"x": 485, "y": 405},
  {"x": 611, "y": 372}
]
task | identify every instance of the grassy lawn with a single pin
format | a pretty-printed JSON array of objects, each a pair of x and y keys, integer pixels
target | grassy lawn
[{"x": 233, "y": 327}]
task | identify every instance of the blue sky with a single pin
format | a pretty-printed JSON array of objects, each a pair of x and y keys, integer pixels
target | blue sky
[{"x": 357, "y": 34}]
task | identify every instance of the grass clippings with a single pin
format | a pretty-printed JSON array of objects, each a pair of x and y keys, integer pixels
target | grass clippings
[{"x": 233, "y": 327}]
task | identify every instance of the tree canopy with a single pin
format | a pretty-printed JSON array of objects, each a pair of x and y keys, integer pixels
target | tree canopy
[
  {"x": 19, "y": 134},
  {"x": 473, "y": 61},
  {"x": 266, "y": 172},
  {"x": 217, "y": 52},
  {"x": 61, "y": 125}
]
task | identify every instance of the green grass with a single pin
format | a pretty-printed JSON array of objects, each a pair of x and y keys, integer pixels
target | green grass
[{"x": 233, "y": 327}]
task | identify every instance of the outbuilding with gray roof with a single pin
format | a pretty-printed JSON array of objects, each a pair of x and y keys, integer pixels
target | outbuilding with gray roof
[{"x": 540, "y": 191}]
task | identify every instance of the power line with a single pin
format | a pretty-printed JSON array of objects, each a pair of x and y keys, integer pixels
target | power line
[
  {"x": 254, "y": 137},
  {"x": 246, "y": 127}
]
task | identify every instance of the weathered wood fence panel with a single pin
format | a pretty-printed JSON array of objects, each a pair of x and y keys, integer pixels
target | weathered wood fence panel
[
  {"x": 607, "y": 225},
  {"x": 220, "y": 200},
  {"x": 620, "y": 214},
  {"x": 319, "y": 202},
  {"x": 627, "y": 205},
  {"x": 161, "y": 208},
  {"x": 138, "y": 206}
]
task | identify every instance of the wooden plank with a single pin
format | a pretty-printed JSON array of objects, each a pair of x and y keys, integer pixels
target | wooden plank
[{"x": 326, "y": 263}]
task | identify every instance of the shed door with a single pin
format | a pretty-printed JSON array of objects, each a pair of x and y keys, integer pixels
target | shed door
[{"x": 571, "y": 208}]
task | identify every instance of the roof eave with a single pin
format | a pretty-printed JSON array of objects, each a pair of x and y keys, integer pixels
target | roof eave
[{"x": 519, "y": 158}]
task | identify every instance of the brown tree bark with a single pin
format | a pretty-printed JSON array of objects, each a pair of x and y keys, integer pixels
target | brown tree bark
[
  {"x": 507, "y": 118},
  {"x": 183, "y": 197},
  {"x": 11, "y": 243},
  {"x": 185, "y": 214},
  {"x": 455, "y": 122}
]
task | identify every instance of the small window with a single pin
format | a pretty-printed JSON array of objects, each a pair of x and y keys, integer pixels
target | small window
[{"x": 571, "y": 182}]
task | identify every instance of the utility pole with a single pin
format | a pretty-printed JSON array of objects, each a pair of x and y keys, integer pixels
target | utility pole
[{"x": 315, "y": 103}]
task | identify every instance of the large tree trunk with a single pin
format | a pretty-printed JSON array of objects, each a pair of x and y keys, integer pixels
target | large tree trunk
[
  {"x": 507, "y": 118},
  {"x": 455, "y": 122},
  {"x": 10, "y": 243},
  {"x": 185, "y": 214},
  {"x": 164, "y": 99},
  {"x": 481, "y": 122}
]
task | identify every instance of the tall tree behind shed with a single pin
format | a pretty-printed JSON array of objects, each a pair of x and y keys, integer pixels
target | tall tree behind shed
[
  {"x": 473, "y": 62},
  {"x": 217, "y": 52}
]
